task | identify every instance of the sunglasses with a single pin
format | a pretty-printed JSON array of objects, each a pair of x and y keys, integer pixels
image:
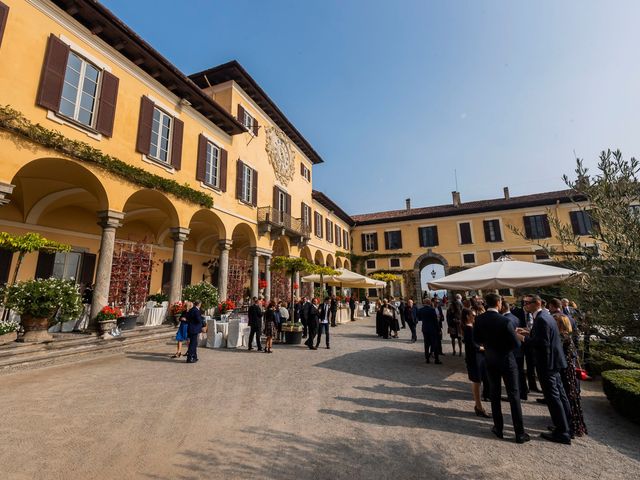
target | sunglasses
[{"x": 524, "y": 302}]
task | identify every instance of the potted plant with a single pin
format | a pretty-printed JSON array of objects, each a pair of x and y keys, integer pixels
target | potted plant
[
  {"x": 107, "y": 319},
  {"x": 203, "y": 291},
  {"x": 158, "y": 298},
  {"x": 8, "y": 331},
  {"x": 176, "y": 310},
  {"x": 42, "y": 301},
  {"x": 226, "y": 306}
]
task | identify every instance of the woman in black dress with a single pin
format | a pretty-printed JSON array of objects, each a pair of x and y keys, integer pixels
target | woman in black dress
[
  {"x": 569, "y": 378},
  {"x": 270, "y": 325},
  {"x": 454, "y": 323},
  {"x": 380, "y": 327},
  {"x": 474, "y": 358}
]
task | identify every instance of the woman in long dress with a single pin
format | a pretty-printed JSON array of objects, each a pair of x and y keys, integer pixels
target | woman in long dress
[{"x": 569, "y": 378}]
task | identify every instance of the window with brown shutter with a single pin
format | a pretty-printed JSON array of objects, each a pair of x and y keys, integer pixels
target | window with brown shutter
[
  {"x": 256, "y": 127},
  {"x": 223, "y": 170},
  {"x": 393, "y": 240},
  {"x": 176, "y": 143},
  {"x": 254, "y": 188},
  {"x": 53, "y": 71},
  {"x": 145, "y": 124},
  {"x": 240, "y": 114},
  {"x": 537, "y": 226},
  {"x": 465, "y": 233},
  {"x": 107, "y": 104},
  {"x": 201, "y": 160},
  {"x": 4, "y": 14},
  {"x": 492, "y": 231},
  {"x": 239, "y": 179}
]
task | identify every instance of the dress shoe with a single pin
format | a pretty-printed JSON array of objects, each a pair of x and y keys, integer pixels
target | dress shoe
[
  {"x": 497, "y": 433},
  {"x": 328, "y": 347},
  {"x": 523, "y": 438},
  {"x": 428, "y": 361},
  {"x": 541, "y": 400},
  {"x": 250, "y": 348},
  {"x": 552, "y": 438},
  {"x": 190, "y": 361},
  {"x": 313, "y": 348}
]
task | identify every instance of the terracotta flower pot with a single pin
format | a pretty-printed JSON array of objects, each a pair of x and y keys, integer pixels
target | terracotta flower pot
[{"x": 35, "y": 329}]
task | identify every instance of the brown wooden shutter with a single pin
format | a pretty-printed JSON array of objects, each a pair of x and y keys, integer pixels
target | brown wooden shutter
[
  {"x": 288, "y": 206},
  {"x": 527, "y": 226},
  {"x": 145, "y": 124},
  {"x": 256, "y": 127},
  {"x": 435, "y": 236},
  {"x": 176, "y": 143},
  {"x": 223, "y": 170},
  {"x": 240, "y": 114},
  {"x": 53, "y": 70},
  {"x": 254, "y": 190},
  {"x": 302, "y": 207},
  {"x": 201, "y": 161},
  {"x": 386, "y": 240},
  {"x": 107, "y": 104},
  {"x": 302, "y": 169},
  {"x": 166, "y": 277},
  {"x": 275, "y": 198},
  {"x": 399, "y": 238},
  {"x": 364, "y": 242},
  {"x": 87, "y": 269},
  {"x": 44, "y": 267},
  {"x": 375, "y": 241},
  {"x": 4, "y": 13},
  {"x": 487, "y": 231},
  {"x": 187, "y": 269},
  {"x": 239, "y": 179}
]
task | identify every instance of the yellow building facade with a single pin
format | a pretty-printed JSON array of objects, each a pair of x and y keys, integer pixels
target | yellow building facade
[
  {"x": 171, "y": 179},
  {"x": 462, "y": 234}
]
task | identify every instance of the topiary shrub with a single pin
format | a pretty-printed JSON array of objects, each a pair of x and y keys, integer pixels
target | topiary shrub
[
  {"x": 602, "y": 362},
  {"x": 622, "y": 388}
]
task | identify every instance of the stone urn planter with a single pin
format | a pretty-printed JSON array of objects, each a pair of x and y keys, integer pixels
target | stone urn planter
[
  {"x": 35, "y": 329},
  {"x": 293, "y": 338},
  {"x": 8, "y": 337},
  {"x": 105, "y": 327},
  {"x": 128, "y": 322}
]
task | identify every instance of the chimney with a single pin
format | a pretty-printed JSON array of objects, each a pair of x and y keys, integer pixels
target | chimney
[
  {"x": 506, "y": 193},
  {"x": 456, "y": 198},
  {"x": 408, "y": 203}
]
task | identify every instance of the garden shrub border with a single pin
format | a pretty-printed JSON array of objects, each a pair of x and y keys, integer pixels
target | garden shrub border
[
  {"x": 622, "y": 388},
  {"x": 602, "y": 362}
]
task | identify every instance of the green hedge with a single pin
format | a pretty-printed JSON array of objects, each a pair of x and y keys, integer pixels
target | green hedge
[
  {"x": 622, "y": 388},
  {"x": 602, "y": 362}
]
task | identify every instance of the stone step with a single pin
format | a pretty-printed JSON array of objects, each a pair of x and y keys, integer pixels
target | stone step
[{"x": 21, "y": 356}]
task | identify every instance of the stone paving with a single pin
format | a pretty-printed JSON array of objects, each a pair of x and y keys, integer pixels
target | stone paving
[{"x": 366, "y": 409}]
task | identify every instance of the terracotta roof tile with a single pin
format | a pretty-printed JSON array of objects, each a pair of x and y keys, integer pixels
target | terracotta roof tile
[{"x": 466, "y": 208}]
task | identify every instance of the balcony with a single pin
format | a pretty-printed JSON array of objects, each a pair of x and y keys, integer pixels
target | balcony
[{"x": 277, "y": 223}]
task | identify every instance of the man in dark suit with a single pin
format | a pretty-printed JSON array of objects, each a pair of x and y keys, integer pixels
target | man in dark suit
[
  {"x": 255, "y": 323},
  {"x": 334, "y": 310},
  {"x": 352, "y": 307},
  {"x": 196, "y": 323},
  {"x": 496, "y": 334},
  {"x": 312, "y": 324},
  {"x": 410, "y": 316},
  {"x": 427, "y": 315},
  {"x": 401, "y": 308},
  {"x": 304, "y": 315},
  {"x": 518, "y": 353},
  {"x": 324, "y": 316},
  {"x": 547, "y": 346}
]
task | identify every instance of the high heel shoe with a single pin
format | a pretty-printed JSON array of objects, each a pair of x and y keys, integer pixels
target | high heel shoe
[
  {"x": 177, "y": 355},
  {"x": 481, "y": 412}
]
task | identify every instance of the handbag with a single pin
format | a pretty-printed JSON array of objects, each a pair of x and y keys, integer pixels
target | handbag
[
  {"x": 581, "y": 373},
  {"x": 386, "y": 311}
]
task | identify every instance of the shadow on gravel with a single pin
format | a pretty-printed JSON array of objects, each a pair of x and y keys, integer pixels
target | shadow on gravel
[
  {"x": 390, "y": 364},
  {"x": 152, "y": 356},
  {"x": 287, "y": 456}
]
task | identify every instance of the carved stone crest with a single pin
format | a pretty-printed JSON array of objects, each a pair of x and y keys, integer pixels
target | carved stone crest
[{"x": 281, "y": 155}]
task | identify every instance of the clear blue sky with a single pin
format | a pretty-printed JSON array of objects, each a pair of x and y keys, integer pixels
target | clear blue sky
[{"x": 395, "y": 95}]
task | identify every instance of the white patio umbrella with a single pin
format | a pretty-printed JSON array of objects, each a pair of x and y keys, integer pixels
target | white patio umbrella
[
  {"x": 504, "y": 273},
  {"x": 347, "y": 279}
]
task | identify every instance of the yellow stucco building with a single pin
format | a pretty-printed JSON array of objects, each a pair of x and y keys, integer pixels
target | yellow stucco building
[
  {"x": 157, "y": 179},
  {"x": 176, "y": 180},
  {"x": 462, "y": 234}
]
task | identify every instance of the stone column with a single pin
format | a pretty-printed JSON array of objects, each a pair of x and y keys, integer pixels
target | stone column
[
  {"x": 179, "y": 235},
  {"x": 223, "y": 265},
  {"x": 296, "y": 280},
  {"x": 255, "y": 273},
  {"x": 333, "y": 290},
  {"x": 109, "y": 220},
  {"x": 267, "y": 277}
]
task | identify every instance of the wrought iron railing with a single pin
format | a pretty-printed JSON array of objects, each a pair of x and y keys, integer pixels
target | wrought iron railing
[{"x": 272, "y": 217}]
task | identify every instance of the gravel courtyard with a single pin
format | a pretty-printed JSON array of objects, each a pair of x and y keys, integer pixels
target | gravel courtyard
[{"x": 366, "y": 409}]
